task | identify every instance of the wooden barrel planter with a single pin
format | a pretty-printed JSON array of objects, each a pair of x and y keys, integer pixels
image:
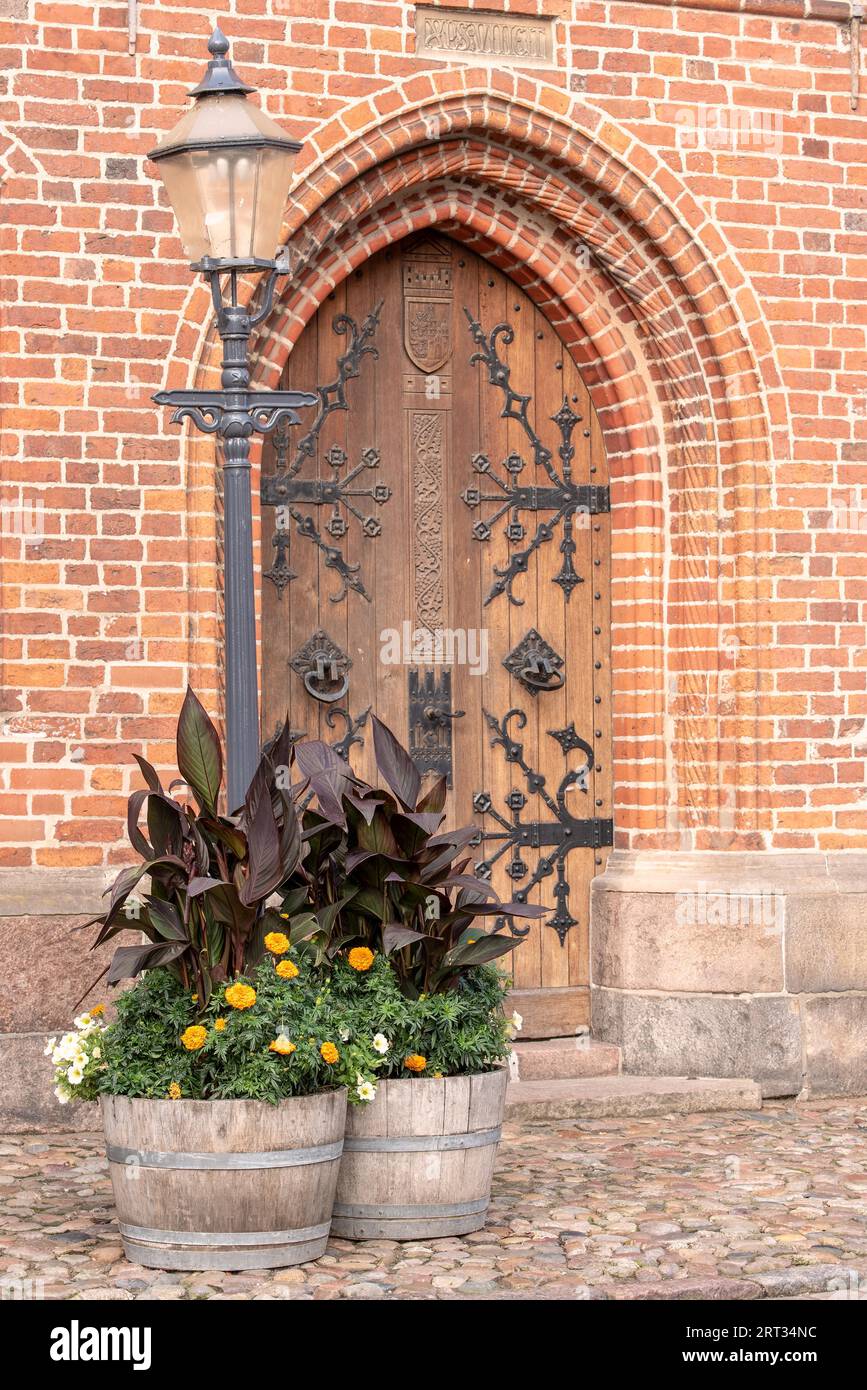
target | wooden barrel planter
[
  {"x": 419, "y": 1159},
  {"x": 224, "y": 1184}
]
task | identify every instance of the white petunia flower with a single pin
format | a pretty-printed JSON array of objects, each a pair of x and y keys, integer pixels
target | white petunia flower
[
  {"x": 97, "y": 1053},
  {"x": 381, "y": 1044},
  {"x": 366, "y": 1090},
  {"x": 75, "y": 1076},
  {"x": 61, "y": 1095},
  {"x": 49, "y": 1047},
  {"x": 345, "y": 1035},
  {"x": 82, "y": 1020},
  {"x": 517, "y": 1021}
]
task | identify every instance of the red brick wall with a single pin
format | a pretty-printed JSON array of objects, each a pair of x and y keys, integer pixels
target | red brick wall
[{"x": 727, "y": 362}]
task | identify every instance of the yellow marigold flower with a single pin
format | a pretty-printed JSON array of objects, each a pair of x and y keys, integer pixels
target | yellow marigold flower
[
  {"x": 174, "y": 1091},
  {"x": 282, "y": 1045},
  {"x": 276, "y": 943},
  {"x": 286, "y": 969},
  {"x": 241, "y": 996},
  {"x": 360, "y": 958},
  {"x": 328, "y": 1052},
  {"x": 194, "y": 1037},
  {"x": 220, "y": 1025},
  {"x": 195, "y": 998},
  {"x": 437, "y": 1076},
  {"x": 414, "y": 1062},
  {"x": 97, "y": 1010}
]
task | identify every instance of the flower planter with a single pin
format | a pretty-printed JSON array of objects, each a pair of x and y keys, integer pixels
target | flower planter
[
  {"x": 419, "y": 1159},
  {"x": 224, "y": 1184}
]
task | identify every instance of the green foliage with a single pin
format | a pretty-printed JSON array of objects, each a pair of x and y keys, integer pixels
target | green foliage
[
  {"x": 359, "y": 869},
  {"x": 378, "y": 871},
  {"x": 205, "y": 914},
  {"x": 458, "y": 1032},
  {"x": 363, "y": 1014},
  {"x": 146, "y": 1057}
]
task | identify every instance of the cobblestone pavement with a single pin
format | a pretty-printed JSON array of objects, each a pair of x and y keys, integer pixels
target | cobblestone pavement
[{"x": 767, "y": 1204}]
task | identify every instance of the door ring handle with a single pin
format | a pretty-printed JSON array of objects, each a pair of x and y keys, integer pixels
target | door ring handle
[
  {"x": 326, "y": 697},
  {"x": 542, "y": 680}
]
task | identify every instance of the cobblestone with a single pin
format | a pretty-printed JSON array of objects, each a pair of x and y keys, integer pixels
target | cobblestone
[{"x": 737, "y": 1205}]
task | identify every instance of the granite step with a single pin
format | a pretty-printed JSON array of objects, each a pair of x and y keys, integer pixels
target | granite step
[
  {"x": 561, "y": 1058},
  {"x": 602, "y": 1097}
]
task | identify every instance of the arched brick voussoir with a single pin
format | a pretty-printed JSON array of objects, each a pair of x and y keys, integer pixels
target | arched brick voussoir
[
  {"x": 588, "y": 309},
  {"x": 649, "y": 286},
  {"x": 663, "y": 350},
  {"x": 523, "y": 195},
  {"x": 562, "y": 134},
  {"x": 601, "y": 349}
]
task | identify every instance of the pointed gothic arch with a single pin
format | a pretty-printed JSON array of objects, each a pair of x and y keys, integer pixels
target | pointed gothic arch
[{"x": 676, "y": 358}]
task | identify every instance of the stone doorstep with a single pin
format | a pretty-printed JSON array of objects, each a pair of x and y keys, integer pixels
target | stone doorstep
[
  {"x": 632, "y": 1097},
  {"x": 560, "y": 1058}
]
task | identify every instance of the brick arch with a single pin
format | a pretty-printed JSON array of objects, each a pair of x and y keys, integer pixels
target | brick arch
[{"x": 680, "y": 388}]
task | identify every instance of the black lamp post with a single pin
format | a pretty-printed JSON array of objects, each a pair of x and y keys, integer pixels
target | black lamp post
[{"x": 226, "y": 168}]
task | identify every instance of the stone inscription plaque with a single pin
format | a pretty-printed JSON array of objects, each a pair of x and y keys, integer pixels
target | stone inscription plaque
[{"x": 484, "y": 36}]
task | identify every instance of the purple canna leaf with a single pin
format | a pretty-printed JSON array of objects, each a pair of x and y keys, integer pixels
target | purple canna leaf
[
  {"x": 200, "y": 758},
  {"x": 396, "y": 766}
]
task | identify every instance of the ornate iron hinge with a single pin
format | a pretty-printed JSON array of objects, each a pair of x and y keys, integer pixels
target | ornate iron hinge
[
  {"x": 293, "y": 495},
  {"x": 561, "y": 497},
  {"x": 559, "y": 836}
]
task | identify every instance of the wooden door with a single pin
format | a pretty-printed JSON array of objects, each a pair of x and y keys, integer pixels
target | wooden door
[{"x": 440, "y": 556}]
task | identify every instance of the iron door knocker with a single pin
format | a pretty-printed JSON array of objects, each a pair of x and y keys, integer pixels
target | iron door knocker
[{"x": 323, "y": 667}]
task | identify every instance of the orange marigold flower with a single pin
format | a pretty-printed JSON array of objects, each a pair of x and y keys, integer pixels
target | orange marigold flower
[
  {"x": 174, "y": 1091},
  {"x": 276, "y": 943},
  {"x": 328, "y": 1052},
  {"x": 194, "y": 1037},
  {"x": 97, "y": 1010},
  {"x": 414, "y": 1062},
  {"x": 282, "y": 1045},
  {"x": 241, "y": 996},
  {"x": 220, "y": 1025},
  {"x": 286, "y": 969},
  {"x": 360, "y": 958}
]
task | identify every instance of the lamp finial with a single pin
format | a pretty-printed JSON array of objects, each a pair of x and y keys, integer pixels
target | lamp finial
[
  {"x": 220, "y": 77},
  {"x": 218, "y": 44}
]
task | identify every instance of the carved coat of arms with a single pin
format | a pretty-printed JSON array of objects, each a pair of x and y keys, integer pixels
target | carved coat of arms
[
  {"x": 427, "y": 332},
  {"x": 427, "y": 306}
]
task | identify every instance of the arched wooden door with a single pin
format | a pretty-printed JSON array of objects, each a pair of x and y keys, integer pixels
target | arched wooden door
[{"x": 439, "y": 553}]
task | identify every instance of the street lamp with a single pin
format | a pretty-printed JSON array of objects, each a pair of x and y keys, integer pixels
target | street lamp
[{"x": 226, "y": 167}]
